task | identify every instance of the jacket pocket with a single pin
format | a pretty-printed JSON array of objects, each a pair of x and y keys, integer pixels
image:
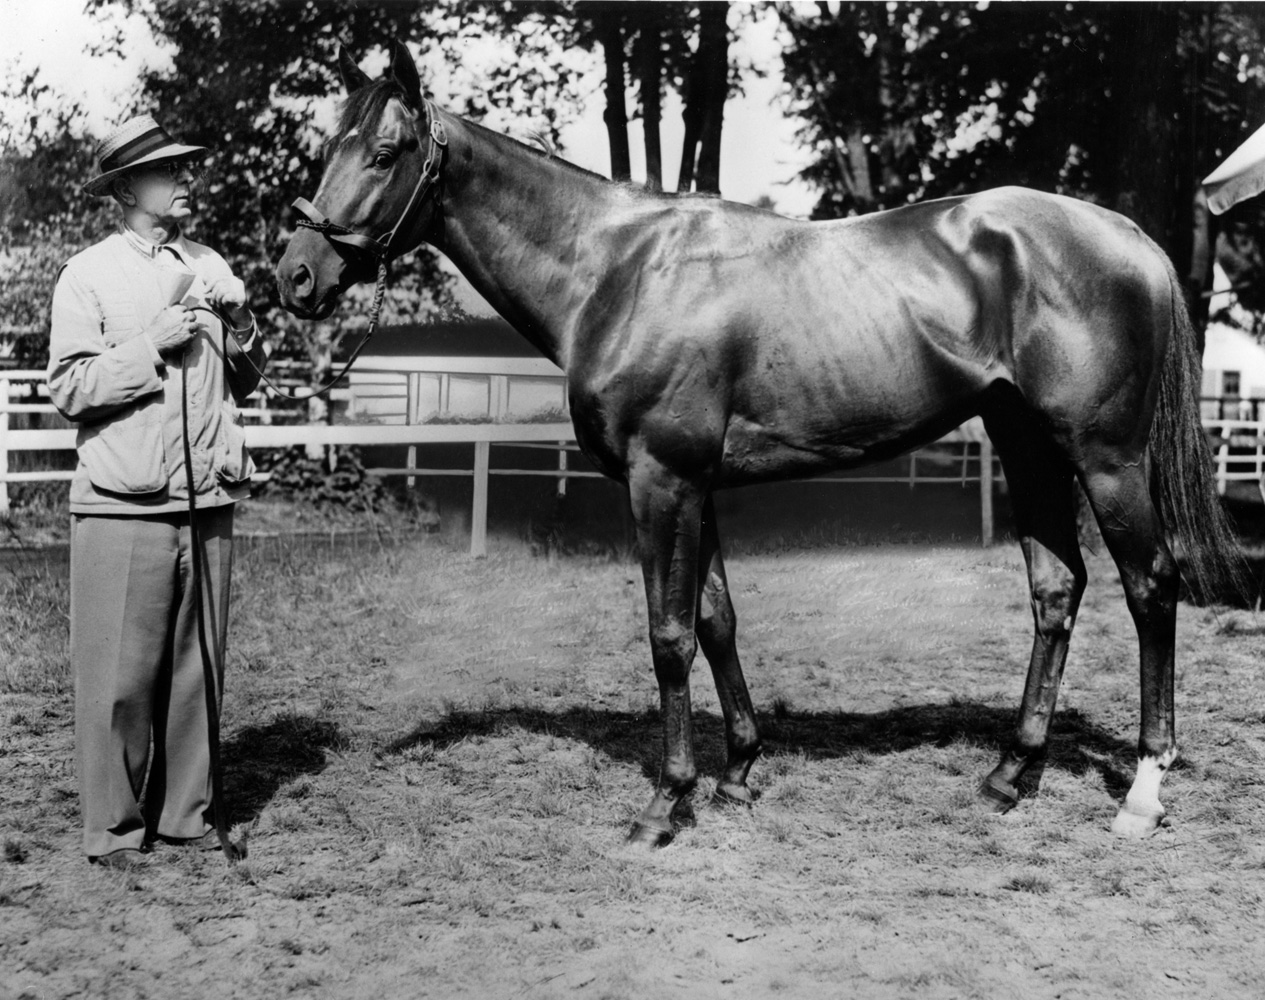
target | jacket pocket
[
  {"x": 126, "y": 454},
  {"x": 235, "y": 465}
]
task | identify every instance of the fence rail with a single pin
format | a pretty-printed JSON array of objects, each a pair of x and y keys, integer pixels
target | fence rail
[{"x": 1238, "y": 445}]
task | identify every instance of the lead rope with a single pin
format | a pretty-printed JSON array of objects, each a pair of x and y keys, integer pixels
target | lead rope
[
  {"x": 379, "y": 293},
  {"x": 210, "y": 675}
]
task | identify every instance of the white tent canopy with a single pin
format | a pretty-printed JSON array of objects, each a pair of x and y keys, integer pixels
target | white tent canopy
[{"x": 1240, "y": 177}]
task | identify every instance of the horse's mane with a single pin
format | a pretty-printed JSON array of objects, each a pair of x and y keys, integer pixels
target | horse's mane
[{"x": 364, "y": 108}]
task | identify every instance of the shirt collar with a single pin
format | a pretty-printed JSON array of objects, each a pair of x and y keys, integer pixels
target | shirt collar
[{"x": 150, "y": 250}]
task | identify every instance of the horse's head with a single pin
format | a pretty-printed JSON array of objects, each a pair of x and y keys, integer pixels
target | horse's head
[{"x": 377, "y": 199}]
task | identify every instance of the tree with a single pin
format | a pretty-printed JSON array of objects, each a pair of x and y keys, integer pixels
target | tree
[
  {"x": 679, "y": 45},
  {"x": 649, "y": 49},
  {"x": 45, "y": 218},
  {"x": 706, "y": 91},
  {"x": 607, "y": 22},
  {"x": 1122, "y": 104}
]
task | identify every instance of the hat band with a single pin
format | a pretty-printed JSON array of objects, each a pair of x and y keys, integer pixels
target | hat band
[{"x": 142, "y": 145}]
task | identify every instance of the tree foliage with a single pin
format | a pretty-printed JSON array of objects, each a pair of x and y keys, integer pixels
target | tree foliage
[
  {"x": 654, "y": 46},
  {"x": 1128, "y": 105},
  {"x": 45, "y": 218}
]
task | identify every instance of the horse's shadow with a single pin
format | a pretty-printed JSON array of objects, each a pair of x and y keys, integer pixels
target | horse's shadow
[
  {"x": 1077, "y": 745},
  {"x": 261, "y": 760}
]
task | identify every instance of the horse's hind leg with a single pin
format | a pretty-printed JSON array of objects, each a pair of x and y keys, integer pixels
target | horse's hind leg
[
  {"x": 1120, "y": 495},
  {"x": 1041, "y": 482},
  {"x": 715, "y": 627}
]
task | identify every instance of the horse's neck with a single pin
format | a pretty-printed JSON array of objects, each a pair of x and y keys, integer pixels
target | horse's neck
[{"x": 524, "y": 229}]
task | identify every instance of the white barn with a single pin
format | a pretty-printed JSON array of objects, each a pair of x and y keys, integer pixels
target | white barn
[
  {"x": 469, "y": 370},
  {"x": 1233, "y": 368}
]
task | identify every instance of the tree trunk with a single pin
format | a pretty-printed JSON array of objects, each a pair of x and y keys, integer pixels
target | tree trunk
[
  {"x": 886, "y": 47},
  {"x": 692, "y": 116},
  {"x": 610, "y": 31},
  {"x": 651, "y": 84},
  {"x": 1146, "y": 94},
  {"x": 713, "y": 56}
]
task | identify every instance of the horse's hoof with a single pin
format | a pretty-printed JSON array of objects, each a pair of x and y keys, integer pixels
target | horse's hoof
[
  {"x": 733, "y": 795},
  {"x": 1136, "y": 822},
  {"x": 1000, "y": 796},
  {"x": 650, "y": 837}
]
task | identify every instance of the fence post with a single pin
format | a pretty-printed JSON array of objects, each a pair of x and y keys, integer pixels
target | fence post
[
  {"x": 4, "y": 444},
  {"x": 479, "y": 508},
  {"x": 986, "y": 490}
]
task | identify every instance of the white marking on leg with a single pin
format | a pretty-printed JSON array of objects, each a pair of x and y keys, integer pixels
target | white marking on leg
[
  {"x": 1144, "y": 796},
  {"x": 1142, "y": 812}
]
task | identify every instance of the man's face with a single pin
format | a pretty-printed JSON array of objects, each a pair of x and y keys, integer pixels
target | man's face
[{"x": 164, "y": 190}]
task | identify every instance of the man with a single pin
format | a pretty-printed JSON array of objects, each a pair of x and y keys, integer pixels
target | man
[{"x": 131, "y": 337}]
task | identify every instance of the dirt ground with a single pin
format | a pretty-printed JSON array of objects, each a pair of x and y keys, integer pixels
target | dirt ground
[{"x": 436, "y": 759}]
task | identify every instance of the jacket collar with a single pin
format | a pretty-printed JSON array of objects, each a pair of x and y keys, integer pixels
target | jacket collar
[{"x": 150, "y": 250}]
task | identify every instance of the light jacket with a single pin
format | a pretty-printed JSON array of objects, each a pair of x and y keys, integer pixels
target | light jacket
[{"x": 107, "y": 376}]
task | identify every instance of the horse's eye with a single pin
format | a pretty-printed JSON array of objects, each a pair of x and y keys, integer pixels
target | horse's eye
[{"x": 383, "y": 160}]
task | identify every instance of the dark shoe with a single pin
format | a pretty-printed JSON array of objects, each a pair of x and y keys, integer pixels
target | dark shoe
[
  {"x": 125, "y": 858},
  {"x": 209, "y": 841}
]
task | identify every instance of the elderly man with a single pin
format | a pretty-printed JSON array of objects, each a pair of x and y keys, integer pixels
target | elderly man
[{"x": 134, "y": 353}]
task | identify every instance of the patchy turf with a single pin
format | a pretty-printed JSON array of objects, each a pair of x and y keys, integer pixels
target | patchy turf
[{"x": 436, "y": 760}]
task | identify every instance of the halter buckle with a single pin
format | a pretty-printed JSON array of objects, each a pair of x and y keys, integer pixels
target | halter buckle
[{"x": 438, "y": 134}]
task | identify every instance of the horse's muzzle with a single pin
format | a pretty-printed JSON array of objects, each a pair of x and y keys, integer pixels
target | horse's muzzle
[{"x": 300, "y": 292}]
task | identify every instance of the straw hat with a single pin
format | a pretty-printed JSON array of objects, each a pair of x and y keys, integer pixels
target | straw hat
[{"x": 137, "y": 141}]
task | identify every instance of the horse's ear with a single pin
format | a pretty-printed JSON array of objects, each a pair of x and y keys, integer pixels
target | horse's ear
[
  {"x": 353, "y": 76},
  {"x": 404, "y": 71}
]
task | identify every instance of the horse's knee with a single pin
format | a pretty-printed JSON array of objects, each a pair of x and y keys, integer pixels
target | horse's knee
[
  {"x": 716, "y": 620},
  {"x": 1055, "y": 601},
  {"x": 672, "y": 645}
]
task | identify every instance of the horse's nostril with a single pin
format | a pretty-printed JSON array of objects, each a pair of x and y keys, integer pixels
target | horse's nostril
[{"x": 301, "y": 279}]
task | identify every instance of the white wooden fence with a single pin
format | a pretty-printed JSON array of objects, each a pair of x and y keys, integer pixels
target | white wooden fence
[{"x": 408, "y": 401}]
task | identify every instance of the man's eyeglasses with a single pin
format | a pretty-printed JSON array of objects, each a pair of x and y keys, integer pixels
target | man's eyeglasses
[{"x": 179, "y": 169}]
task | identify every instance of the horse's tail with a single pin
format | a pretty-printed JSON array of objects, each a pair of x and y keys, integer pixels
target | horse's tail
[{"x": 1183, "y": 481}]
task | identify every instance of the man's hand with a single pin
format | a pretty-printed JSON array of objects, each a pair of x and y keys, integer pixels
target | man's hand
[
  {"x": 228, "y": 295},
  {"x": 172, "y": 329}
]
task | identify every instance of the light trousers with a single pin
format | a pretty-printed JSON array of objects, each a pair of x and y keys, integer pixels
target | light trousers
[{"x": 139, "y": 680}]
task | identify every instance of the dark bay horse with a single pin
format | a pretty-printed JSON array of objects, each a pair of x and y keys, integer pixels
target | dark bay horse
[{"x": 709, "y": 344}]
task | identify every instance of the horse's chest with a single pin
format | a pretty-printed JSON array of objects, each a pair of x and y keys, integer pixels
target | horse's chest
[{"x": 596, "y": 432}]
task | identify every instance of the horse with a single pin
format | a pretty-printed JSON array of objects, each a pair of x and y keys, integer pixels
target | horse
[{"x": 709, "y": 344}]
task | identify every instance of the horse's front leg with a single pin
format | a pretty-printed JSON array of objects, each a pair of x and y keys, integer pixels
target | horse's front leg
[{"x": 667, "y": 511}]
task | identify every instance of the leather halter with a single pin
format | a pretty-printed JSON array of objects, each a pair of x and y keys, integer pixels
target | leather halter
[{"x": 380, "y": 250}]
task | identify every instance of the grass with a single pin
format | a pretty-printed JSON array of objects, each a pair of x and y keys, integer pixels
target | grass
[{"x": 436, "y": 760}]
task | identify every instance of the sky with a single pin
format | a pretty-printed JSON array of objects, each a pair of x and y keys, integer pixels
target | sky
[{"x": 759, "y": 154}]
